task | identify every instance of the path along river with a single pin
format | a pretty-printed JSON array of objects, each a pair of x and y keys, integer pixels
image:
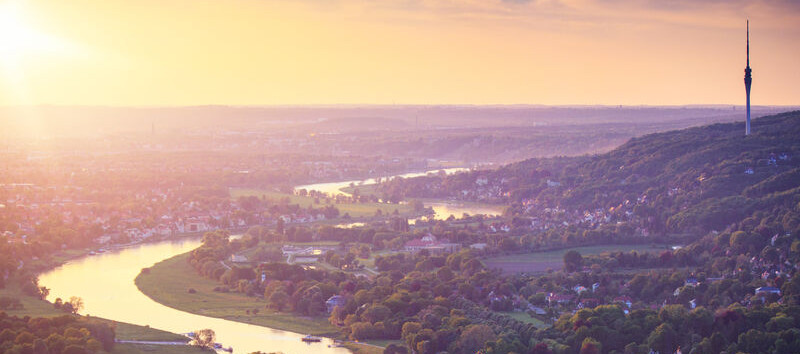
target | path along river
[{"x": 105, "y": 283}]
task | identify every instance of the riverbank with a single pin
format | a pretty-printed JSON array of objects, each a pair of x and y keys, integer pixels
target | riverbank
[
  {"x": 34, "y": 307},
  {"x": 168, "y": 283}
]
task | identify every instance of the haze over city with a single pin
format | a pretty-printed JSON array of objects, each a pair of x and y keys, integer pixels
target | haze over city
[{"x": 399, "y": 176}]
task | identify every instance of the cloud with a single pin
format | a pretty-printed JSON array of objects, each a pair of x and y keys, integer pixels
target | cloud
[{"x": 567, "y": 15}]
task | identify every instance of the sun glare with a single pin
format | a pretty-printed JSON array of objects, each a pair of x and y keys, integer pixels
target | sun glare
[{"x": 18, "y": 38}]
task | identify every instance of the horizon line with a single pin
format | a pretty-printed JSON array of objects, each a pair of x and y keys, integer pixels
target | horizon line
[{"x": 388, "y": 105}]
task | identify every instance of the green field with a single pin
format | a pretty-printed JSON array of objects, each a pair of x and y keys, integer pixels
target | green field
[
  {"x": 538, "y": 262},
  {"x": 364, "y": 348},
  {"x": 364, "y": 189},
  {"x": 128, "y": 348},
  {"x": 356, "y": 210},
  {"x": 169, "y": 281},
  {"x": 524, "y": 317}
]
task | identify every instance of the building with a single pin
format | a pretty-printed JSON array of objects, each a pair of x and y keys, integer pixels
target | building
[
  {"x": 625, "y": 300},
  {"x": 559, "y": 299},
  {"x": 766, "y": 290},
  {"x": 334, "y": 301},
  {"x": 432, "y": 245}
]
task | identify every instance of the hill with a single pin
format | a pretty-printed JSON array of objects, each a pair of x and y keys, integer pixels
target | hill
[{"x": 677, "y": 182}]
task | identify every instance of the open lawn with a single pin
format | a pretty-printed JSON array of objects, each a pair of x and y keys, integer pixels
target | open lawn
[
  {"x": 127, "y": 331},
  {"x": 524, "y": 317},
  {"x": 169, "y": 281},
  {"x": 356, "y": 210},
  {"x": 363, "y": 348},
  {"x": 538, "y": 262},
  {"x": 31, "y": 306},
  {"x": 364, "y": 189},
  {"x": 129, "y": 348}
]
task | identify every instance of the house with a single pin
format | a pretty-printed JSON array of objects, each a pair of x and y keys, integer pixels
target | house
[
  {"x": 589, "y": 303},
  {"x": 334, "y": 301},
  {"x": 238, "y": 258},
  {"x": 766, "y": 290},
  {"x": 432, "y": 245},
  {"x": 478, "y": 246},
  {"x": 691, "y": 281},
  {"x": 559, "y": 299},
  {"x": 553, "y": 183},
  {"x": 625, "y": 300},
  {"x": 195, "y": 225}
]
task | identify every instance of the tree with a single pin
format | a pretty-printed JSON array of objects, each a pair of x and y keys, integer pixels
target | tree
[
  {"x": 474, "y": 338},
  {"x": 278, "y": 299},
  {"x": 40, "y": 347},
  {"x": 74, "y": 349},
  {"x": 573, "y": 261},
  {"x": 540, "y": 348},
  {"x": 376, "y": 313},
  {"x": 663, "y": 339},
  {"x": 204, "y": 338},
  {"x": 409, "y": 331},
  {"x": 444, "y": 274},
  {"x": 590, "y": 346},
  {"x": 76, "y": 303},
  {"x": 280, "y": 226}
]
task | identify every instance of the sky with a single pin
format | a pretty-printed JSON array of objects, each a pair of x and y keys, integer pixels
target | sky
[{"x": 297, "y": 52}]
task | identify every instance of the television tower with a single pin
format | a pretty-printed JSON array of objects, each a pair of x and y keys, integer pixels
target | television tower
[{"x": 748, "y": 80}]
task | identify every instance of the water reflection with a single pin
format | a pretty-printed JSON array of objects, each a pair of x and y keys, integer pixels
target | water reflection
[
  {"x": 334, "y": 188},
  {"x": 443, "y": 210},
  {"x": 106, "y": 284}
]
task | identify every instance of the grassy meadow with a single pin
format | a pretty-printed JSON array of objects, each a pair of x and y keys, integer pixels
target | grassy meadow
[
  {"x": 169, "y": 281},
  {"x": 538, "y": 262}
]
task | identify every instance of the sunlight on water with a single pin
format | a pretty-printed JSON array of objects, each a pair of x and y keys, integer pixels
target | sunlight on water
[
  {"x": 444, "y": 210},
  {"x": 106, "y": 284},
  {"x": 334, "y": 188}
]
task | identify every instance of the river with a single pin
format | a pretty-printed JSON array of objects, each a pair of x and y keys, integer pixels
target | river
[
  {"x": 105, "y": 282},
  {"x": 441, "y": 209},
  {"x": 334, "y": 188}
]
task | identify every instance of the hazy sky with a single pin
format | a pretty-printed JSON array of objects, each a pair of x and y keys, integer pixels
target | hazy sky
[{"x": 190, "y": 52}]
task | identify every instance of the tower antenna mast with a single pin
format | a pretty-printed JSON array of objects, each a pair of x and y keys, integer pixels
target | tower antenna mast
[{"x": 747, "y": 81}]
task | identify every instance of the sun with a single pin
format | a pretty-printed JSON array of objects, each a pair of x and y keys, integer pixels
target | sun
[{"x": 19, "y": 39}]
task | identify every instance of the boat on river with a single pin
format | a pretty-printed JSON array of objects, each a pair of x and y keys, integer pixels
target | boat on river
[{"x": 311, "y": 339}]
